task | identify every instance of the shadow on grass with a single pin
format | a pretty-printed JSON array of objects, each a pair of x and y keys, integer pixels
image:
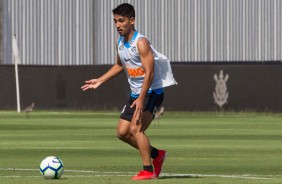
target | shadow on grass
[{"x": 179, "y": 177}]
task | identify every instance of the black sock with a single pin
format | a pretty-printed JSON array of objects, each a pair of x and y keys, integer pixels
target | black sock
[
  {"x": 148, "y": 168},
  {"x": 154, "y": 153}
]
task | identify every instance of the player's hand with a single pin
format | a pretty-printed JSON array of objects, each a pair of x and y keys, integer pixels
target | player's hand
[
  {"x": 139, "y": 105},
  {"x": 91, "y": 84}
]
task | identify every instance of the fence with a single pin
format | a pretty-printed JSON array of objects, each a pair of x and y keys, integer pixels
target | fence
[{"x": 64, "y": 32}]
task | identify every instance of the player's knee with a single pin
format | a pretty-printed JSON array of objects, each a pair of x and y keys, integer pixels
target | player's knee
[
  {"x": 134, "y": 129},
  {"x": 122, "y": 135}
]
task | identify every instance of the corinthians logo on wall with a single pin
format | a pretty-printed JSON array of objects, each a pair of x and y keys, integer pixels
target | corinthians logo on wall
[{"x": 220, "y": 94}]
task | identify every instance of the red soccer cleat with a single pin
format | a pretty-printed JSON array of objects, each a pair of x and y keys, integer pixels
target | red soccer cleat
[
  {"x": 144, "y": 175},
  {"x": 158, "y": 162}
]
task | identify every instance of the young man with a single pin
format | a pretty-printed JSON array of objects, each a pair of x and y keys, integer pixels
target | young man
[{"x": 148, "y": 73}]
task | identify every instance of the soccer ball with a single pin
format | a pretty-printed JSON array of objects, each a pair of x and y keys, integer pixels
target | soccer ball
[{"x": 51, "y": 167}]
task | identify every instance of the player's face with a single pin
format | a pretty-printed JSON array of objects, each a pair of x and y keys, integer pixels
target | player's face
[{"x": 124, "y": 25}]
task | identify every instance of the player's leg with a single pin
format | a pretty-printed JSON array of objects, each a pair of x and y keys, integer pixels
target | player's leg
[
  {"x": 137, "y": 129},
  {"x": 146, "y": 152},
  {"x": 123, "y": 133},
  {"x": 153, "y": 102},
  {"x": 123, "y": 128},
  {"x": 158, "y": 156}
]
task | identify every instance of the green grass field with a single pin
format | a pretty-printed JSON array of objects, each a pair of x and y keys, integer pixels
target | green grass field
[{"x": 204, "y": 148}]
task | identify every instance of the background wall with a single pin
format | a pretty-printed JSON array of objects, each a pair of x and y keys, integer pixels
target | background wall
[{"x": 255, "y": 87}]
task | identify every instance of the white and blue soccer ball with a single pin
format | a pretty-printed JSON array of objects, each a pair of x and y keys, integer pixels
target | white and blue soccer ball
[{"x": 52, "y": 167}]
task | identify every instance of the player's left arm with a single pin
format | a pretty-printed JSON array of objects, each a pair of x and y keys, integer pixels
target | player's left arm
[{"x": 147, "y": 60}]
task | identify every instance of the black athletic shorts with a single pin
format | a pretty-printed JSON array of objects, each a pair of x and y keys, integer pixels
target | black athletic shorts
[{"x": 152, "y": 103}]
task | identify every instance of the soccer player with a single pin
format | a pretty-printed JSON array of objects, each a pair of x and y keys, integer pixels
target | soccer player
[{"x": 148, "y": 73}]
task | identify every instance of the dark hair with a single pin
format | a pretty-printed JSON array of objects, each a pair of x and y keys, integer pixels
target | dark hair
[{"x": 125, "y": 9}]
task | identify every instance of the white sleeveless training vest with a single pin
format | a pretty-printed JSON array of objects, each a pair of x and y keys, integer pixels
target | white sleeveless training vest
[{"x": 132, "y": 65}]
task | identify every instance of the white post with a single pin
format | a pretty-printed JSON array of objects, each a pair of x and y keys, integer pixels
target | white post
[{"x": 17, "y": 61}]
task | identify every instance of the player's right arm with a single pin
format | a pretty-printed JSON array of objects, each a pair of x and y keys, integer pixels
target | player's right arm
[{"x": 114, "y": 71}]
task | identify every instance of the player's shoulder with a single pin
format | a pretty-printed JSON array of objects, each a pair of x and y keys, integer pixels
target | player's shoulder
[{"x": 143, "y": 40}]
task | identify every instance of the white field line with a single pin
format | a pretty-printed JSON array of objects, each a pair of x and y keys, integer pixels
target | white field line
[{"x": 121, "y": 174}]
